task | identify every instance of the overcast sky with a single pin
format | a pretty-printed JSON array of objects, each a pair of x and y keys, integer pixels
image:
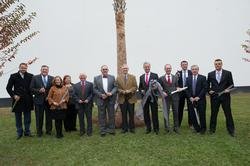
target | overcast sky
[{"x": 79, "y": 36}]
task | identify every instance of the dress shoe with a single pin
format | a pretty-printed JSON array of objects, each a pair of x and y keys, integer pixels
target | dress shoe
[
  {"x": 59, "y": 136},
  {"x": 82, "y": 133},
  {"x": 211, "y": 132},
  {"x": 156, "y": 132},
  {"x": 132, "y": 131},
  {"x": 48, "y": 133},
  {"x": 232, "y": 134},
  {"x": 18, "y": 137},
  {"x": 167, "y": 130},
  {"x": 103, "y": 135},
  {"x": 148, "y": 131},
  {"x": 112, "y": 133},
  {"x": 124, "y": 131},
  {"x": 28, "y": 135},
  {"x": 176, "y": 131},
  {"x": 89, "y": 134}
]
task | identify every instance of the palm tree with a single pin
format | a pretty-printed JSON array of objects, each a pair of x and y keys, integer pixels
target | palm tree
[{"x": 120, "y": 8}]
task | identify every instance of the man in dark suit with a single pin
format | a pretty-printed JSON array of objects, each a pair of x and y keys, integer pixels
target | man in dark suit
[
  {"x": 219, "y": 80},
  {"x": 40, "y": 86},
  {"x": 127, "y": 87},
  {"x": 169, "y": 83},
  {"x": 196, "y": 93},
  {"x": 18, "y": 89},
  {"x": 105, "y": 89},
  {"x": 83, "y": 96},
  {"x": 143, "y": 88},
  {"x": 182, "y": 77}
]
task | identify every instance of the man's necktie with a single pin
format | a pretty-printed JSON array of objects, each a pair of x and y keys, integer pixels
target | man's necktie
[
  {"x": 44, "y": 81},
  {"x": 169, "y": 81},
  {"x": 83, "y": 88},
  {"x": 147, "y": 81},
  {"x": 184, "y": 79},
  {"x": 194, "y": 85},
  {"x": 125, "y": 79},
  {"x": 218, "y": 76}
]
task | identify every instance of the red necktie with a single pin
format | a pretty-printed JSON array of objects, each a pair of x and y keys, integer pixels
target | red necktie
[
  {"x": 147, "y": 79},
  {"x": 169, "y": 81},
  {"x": 83, "y": 88}
]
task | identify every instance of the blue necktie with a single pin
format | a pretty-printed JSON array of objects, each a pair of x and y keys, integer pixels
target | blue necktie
[
  {"x": 194, "y": 85},
  {"x": 184, "y": 79},
  {"x": 218, "y": 77},
  {"x": 44, "y": 81}
]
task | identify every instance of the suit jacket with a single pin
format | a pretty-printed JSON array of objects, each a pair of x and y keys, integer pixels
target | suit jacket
[
  {"x": 36, "y": 84},
  {"x": 170, "y": 88},
  {"x": 20, "y": 86},
  {"x": 88, "y": 93},
  {"x": 180, "y": 79},
  {"x": 201, "y": 87},
  {"x": 225, "y": 82},
  {"x": 142, "y": 83},
  {"x": 98, "y": 89},
  {"x": 130, "y": 85}
]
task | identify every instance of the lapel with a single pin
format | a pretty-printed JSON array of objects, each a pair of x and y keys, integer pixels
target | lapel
[
  {"x": 41, "y": 80},
  {"x": 165, "y": 80},
  {"x": 222, "y": 75},
  {"x": 100, "y": 82},
  {"x": 109, "y": 83},
  {"x": 122, "y": 81},
  {"x": 144, "y": 81},
  {"x": 173, "y": 80}
]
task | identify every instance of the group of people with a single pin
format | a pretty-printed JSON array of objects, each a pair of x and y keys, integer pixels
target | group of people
[{"x": 61, "y": 100}]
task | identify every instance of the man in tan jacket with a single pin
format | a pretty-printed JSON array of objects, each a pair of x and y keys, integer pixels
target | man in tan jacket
[{"x": 127, "y": 87}]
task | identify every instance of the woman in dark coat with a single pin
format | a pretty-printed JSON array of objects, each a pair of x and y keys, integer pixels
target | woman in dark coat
[{"x": 71, "y": 113}]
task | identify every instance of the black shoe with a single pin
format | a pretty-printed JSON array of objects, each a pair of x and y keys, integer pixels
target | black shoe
[
  {"x": 39, "y": 134},
  {"x": 132, "y": 131},
  {"x": 18, "y": 137},
  {"x": 28, "y": 135},
  {"x": 156, "y": 132},
  {"x": 167, "y": 130},
  {"x": 211, "y": 132},
  {"x": 89, "y": 134},
  {"x": 82, "y": 133},
  {"x": 112, "y": 133},
  {"x": 232, "y": 134},
  {"x": 124, "y": 131},
  {"x": 48, "y": 133},
  {"x": 59, "y": 136},
  {"x": 148, "y": 131},
  {"x": 74, "y": 129},
  {"x": 103, "y": 135},
  {"x": 176, "y": 131}
]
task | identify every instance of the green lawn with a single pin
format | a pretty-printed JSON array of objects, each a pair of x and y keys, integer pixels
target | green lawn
[{"x": 138, "y": 149}]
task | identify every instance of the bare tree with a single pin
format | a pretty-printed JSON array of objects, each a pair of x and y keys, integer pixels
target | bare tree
[
  {"x": 120, "y": 8},
  {"x": 13, "y": 23},
  {"x": 246, "y": 46}
]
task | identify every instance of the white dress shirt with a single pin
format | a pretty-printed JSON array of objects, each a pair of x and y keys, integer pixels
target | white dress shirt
[{"x": 105, "y": 84}]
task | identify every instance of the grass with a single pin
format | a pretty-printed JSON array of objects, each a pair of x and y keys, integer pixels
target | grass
[{"x": 133, "y": 149}]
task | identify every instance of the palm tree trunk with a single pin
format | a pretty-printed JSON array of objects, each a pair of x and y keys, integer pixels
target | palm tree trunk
[{"x": 120, "y": 8}]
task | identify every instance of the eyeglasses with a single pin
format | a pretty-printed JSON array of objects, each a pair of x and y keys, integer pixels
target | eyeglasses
[{"x": 104, "y": 69}]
